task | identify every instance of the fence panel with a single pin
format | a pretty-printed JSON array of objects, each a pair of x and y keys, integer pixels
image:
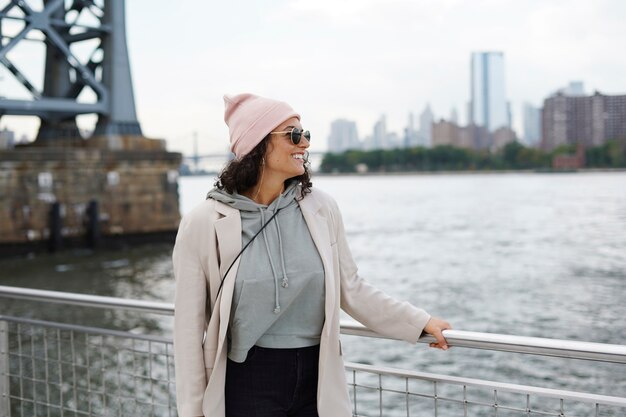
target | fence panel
[{"x": 63, "y": 370}]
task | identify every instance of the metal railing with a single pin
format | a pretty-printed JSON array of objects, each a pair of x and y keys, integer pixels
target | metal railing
[
  {"x": 460, "y": 338},
  {"x": 56, "y": 369},
  {"x": 387, "y": 391},
  {"x": 65, "y": 369}
]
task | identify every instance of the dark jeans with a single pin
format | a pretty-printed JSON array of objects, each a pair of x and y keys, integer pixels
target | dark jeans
[{"x": 273, "y": 383}]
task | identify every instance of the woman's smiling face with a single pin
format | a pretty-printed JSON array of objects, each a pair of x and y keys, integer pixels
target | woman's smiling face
[{"x": 282, "y": 157}]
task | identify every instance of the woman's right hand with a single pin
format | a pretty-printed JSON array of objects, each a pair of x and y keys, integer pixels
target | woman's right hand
[{"x": 435, "y": 327}]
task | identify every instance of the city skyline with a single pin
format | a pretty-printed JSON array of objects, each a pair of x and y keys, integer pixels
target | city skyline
[
  {"x": 418, "y": 53},
  {"x": 567, "y": 116}
]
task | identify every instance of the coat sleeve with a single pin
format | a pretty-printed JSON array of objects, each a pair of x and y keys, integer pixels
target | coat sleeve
[
  {"x": 367, "y": 304},
  {"x": 189, "y": 322}
]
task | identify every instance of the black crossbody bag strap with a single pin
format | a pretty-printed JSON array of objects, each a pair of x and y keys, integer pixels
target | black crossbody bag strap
[{"x": 243, "y": 249}]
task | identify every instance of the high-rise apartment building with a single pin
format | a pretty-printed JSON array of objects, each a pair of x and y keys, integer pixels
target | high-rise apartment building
[
  {"x": 445, "y": 133},
  {"x": 343, "y": 136},
  {"x": 582, "y": 120},
  {"x": 488, "y": 106},
  {"x": 469, "y": 137}
]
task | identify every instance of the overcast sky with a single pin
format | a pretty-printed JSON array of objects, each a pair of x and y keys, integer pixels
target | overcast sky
[{"x": 356, "y": 59}]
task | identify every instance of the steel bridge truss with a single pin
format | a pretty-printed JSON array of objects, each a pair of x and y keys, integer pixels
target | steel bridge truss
[{"x": 59, "y": 24}]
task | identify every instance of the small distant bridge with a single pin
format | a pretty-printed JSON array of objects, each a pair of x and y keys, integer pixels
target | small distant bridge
[{"x": 227, "y": 156}]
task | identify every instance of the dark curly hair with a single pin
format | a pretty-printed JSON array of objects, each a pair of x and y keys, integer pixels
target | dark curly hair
[{"x": 241, "y": 175}]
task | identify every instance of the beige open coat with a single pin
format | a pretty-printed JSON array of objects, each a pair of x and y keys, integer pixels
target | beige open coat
[{"x": 208, "y": 240}]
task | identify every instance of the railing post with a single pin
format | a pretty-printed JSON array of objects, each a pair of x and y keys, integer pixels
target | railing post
[
  {"x": 92, "y": 224},
  {"x": 5, "y": 390},
  {"x": 55, "y": 240}
]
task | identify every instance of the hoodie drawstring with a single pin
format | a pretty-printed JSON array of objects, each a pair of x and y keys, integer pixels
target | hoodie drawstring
[
  {"x": 285, "y": 282},
  {"x": 269, "y": 255},
  {"x": 247, "y": 205}
]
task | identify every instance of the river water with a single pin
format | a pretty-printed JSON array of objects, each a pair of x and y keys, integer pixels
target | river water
[{"x": 527, "y": 254}]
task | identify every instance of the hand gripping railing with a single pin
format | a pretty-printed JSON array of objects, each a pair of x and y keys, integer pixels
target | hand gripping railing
[{"x": 459, "y": 338}]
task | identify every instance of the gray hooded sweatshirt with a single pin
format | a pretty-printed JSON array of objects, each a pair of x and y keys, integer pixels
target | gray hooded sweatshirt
[{"x": 278, "y": 301}]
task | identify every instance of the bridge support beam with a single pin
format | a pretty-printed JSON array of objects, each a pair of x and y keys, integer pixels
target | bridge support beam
[{"x": 104, "y": 76}]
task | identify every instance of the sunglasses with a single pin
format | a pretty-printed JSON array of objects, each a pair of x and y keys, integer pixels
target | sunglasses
[{"x": 295, "y": 135}]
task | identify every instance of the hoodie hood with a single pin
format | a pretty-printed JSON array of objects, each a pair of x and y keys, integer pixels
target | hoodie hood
[{"x": 245, "y": 204}]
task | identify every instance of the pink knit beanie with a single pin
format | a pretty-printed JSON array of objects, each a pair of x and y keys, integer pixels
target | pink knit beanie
[{"x": 251, "y": 118}]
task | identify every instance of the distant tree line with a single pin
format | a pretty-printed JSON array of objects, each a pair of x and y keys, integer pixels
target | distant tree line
[{"x": 448, "y": 158}]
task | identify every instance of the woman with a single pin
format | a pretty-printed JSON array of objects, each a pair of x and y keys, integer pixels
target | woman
[{"x": 262, "y": 268}]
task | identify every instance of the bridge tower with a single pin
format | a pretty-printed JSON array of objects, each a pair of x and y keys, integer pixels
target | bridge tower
[
  {"x": 104, "y": 78},
  {"x": 114, "y": 189}
]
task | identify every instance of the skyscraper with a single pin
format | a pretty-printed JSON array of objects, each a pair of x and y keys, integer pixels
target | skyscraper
[
  {"x": 488, "y": 107},
  {"x": 343, "y": 136},
  {"x": 454, "y": 116},
  {"x": 379, "y": 136},
  {"x": 426, "y": 127},
  {"x": 410, "y": 133},
  {"x": 573, "y": 89}
]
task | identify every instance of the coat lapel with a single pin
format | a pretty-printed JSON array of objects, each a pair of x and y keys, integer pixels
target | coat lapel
[
  {"x": 318, "y": 227},
  {"x": 228, "y": 231}
]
